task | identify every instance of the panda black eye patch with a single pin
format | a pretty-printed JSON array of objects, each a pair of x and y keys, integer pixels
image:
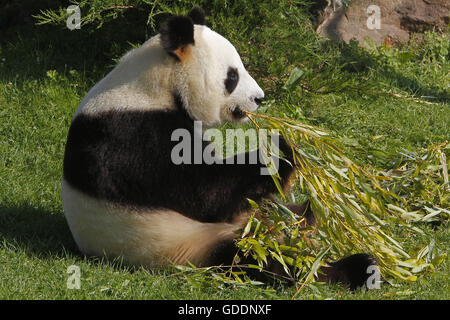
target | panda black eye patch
[{"x": 232, "y": 79}]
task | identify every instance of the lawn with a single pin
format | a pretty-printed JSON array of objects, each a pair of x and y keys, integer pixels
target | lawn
[{"x": 383, "y": 99}]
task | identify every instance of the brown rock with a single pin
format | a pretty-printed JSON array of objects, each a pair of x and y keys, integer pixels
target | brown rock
[{"x": 395, "y": 20}]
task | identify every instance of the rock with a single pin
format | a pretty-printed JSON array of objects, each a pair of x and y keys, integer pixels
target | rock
[
  {"x": 420, "y": 16},
  {"x": 382, "y": 20}
]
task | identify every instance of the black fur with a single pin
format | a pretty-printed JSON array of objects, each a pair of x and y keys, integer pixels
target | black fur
[
  {"x": 177, "y": 31},
  {"x": 125, "y": 157},
  {"x": 232, "y": 79},
  {"x": 197, "y": 15},
  {"x": 178, "y": 102},
  {"x": 351, "y": 271},
  {"x": 223, "y": 253},
  {"x": 238, "y": 113}
]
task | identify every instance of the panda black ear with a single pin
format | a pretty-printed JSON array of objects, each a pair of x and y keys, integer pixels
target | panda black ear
[
  {"x": 197, "y": 15},
  {"x": 177, "y": 33}
]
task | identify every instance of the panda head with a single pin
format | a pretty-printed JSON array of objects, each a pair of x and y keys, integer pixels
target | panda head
[{"x": 209, "y": 76}]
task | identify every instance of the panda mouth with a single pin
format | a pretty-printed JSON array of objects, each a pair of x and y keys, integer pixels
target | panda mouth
[{"x": 238, "y": 113}]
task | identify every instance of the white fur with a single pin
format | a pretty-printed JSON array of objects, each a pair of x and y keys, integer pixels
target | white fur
[
  {"x": 205, "y": 73},
  {"x": 142, "y": 237},
  {"x": 142, "y": 80},
  {"x": 147, "y": 77}
]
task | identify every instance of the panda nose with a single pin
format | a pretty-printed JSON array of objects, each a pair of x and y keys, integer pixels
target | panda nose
[{"x": 258, "y": 100}]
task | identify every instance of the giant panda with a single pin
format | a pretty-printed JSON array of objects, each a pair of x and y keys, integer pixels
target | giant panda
[{"x": 124, "y": 197}]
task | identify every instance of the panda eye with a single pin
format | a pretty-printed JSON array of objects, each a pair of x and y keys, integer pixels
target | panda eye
[{"x": 232, "y": 79}]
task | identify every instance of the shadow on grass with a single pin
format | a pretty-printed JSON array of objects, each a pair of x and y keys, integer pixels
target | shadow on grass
[
  {"x": 36, "y": 231},
  {"x": 358, "y": 60},
  {"x": 43, "y": 234},
  {"x": 30, "y": 50}
]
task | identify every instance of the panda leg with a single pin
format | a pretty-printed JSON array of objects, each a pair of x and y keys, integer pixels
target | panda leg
[{"x": 352, "y": 271}]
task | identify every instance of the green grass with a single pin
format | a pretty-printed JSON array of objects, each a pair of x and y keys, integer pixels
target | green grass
[{"x": 46, "y": 70}]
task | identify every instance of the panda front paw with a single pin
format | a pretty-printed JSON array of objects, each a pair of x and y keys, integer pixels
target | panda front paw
[
  {"x": 286, "y": 159},
  {"x": 285, "y": 148}
]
